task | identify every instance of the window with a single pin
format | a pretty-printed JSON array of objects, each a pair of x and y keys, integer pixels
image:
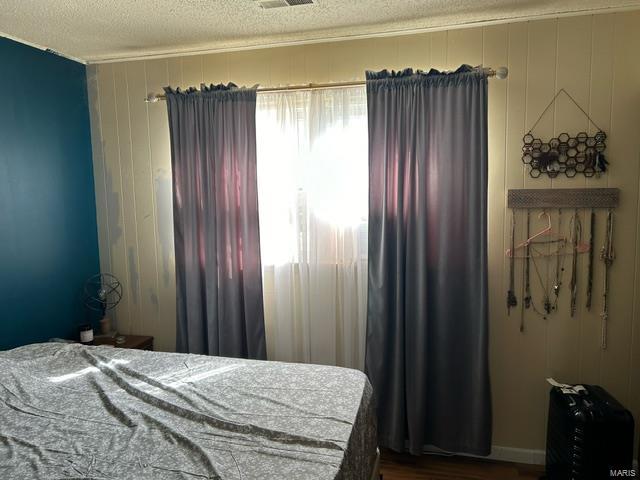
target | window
[{"x": 313, "y": 197}]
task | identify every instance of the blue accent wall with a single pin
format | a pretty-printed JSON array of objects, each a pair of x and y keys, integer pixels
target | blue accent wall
[{"x": 48, "y": 232}]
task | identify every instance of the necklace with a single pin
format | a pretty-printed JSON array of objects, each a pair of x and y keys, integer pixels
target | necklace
[
  {"x": 576, "y": 236},
  {"x": 547, "y": 305}
]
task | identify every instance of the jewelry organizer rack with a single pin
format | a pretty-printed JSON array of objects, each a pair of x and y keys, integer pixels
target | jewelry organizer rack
[
  {"x": 533, "y": 247},
  {"x": 571, "y": 155},
  {"x": 563, "y": 198}
]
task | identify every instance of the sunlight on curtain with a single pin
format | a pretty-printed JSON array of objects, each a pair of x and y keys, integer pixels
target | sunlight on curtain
[{"x": 313, "y": 197}]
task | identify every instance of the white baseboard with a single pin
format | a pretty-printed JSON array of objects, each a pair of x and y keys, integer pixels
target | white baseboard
[
  {"x": 509, "y": 454},
  {"x": 517, "y": 455},
  {"x": 524, "y": 455},
  {"x": 503, "y": 454}
]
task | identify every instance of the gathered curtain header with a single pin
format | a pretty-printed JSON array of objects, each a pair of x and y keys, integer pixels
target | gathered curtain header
[
  {"x": 387, "y": 79},
  {"x": 230, "y": 90}
]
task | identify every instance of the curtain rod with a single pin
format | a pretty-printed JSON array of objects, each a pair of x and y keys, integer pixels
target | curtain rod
[{"x": 500, "y": 73}]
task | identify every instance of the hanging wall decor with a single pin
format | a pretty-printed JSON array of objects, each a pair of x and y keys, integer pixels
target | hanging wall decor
[
  {"x": 565, "y": 154},
  {"x": 550, "y": 255}
]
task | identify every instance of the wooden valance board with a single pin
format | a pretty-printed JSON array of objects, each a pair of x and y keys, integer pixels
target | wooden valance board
[{"x": 563, "y": 198}]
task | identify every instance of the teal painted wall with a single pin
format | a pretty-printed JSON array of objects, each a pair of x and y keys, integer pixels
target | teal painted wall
[{"x": 48, "y": 233}]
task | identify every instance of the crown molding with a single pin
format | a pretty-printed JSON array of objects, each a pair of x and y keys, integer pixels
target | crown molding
[
  {"x": 389, "y": 32},
  {"x": 40, "y": 47},
  {"x": 153, "y": 55}
]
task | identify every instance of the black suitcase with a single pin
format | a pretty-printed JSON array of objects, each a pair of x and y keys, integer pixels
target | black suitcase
[{"x": 589, "y": 435}]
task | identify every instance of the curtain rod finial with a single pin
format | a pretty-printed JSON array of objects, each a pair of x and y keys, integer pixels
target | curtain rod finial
[
  {"x": 502, "y": 72},
  {"x": 151, "y": 98}
]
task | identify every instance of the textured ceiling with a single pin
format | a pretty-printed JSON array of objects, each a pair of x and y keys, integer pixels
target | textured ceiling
[{"x": 99, "y": 30}]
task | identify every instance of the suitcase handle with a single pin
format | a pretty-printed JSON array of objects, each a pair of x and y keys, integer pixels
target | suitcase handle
[{"x": 568, "y": 389}]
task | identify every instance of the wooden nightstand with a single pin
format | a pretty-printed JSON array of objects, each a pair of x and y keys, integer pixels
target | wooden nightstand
[{"x": 138, "y": 342}]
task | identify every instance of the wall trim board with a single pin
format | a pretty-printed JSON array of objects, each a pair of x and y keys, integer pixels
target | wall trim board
[
  {"x": 517, "y": 455},
  {"x": 521, "y": 455},
  {"x": 151, "y": 55},
  {"x": 498, "y": 453},
  {"x": 342, "y": 38},
  {"x": 40, "y": 47}
]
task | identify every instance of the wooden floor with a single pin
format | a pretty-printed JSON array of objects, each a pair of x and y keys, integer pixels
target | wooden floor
[{"x": 395, "y": 466}]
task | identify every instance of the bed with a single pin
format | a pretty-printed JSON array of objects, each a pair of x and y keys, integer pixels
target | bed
[{"x": 70, "y": 411}]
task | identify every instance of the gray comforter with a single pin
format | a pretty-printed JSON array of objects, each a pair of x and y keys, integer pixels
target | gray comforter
[{"x": 69, "y": 411}]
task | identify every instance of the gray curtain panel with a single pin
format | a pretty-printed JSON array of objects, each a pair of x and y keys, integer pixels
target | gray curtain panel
[
  {"x": 427, "y": 330},
  {"x": 215, "y": 214}
]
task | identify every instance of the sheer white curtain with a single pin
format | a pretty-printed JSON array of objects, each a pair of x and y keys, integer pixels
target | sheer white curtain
[{"x": 313, "y": 199}]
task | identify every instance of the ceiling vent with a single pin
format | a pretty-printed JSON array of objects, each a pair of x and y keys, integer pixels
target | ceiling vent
[{"x": 282, "y": 3}]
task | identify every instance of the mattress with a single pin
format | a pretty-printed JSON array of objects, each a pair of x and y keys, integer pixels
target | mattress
[{"x": 70, "y": 411}]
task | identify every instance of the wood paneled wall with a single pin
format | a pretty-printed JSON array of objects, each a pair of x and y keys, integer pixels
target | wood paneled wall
[{"x": 596, "y": 58}]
